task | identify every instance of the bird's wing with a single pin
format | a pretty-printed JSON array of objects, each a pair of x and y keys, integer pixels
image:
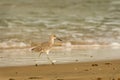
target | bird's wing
[
  {"x": 43, "y": 46},
  {"x": 36, "y": 48}
]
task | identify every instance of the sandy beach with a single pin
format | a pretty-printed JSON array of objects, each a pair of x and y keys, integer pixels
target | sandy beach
[{"x": 98, "y": 70}]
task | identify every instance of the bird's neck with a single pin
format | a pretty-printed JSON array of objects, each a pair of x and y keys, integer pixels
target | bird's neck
[{"x": 52, "y": 41}]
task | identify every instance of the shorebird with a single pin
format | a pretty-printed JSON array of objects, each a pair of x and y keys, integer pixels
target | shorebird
[{"x": 45, "y": 47}]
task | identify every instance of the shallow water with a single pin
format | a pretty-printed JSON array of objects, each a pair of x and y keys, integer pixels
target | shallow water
[
  {"x": 20, "y": 57},
  {"x": 82, "y": 22}
]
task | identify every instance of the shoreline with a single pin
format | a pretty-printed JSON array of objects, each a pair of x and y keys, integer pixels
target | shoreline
[{"x": 97, "y": 70}]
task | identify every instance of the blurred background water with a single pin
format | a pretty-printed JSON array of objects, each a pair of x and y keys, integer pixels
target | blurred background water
[
  {"x": 78, "y": 20},
  {"x": 86, "y": 21}
]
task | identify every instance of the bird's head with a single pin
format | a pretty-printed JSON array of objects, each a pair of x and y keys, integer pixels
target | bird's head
[{"x": 54, "y": 37}]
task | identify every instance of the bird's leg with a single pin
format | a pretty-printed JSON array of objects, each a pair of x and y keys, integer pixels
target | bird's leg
[
  {"x": 40, "y": 54},
  {"x": 49, "y": 58}
]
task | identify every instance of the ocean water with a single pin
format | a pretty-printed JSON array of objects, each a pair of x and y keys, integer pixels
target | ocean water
[{"x": 78, "y": 22}]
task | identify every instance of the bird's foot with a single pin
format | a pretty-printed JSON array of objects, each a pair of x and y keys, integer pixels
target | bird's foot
[
  {"x": 36, "y": 65},
  {"x": 53, "y": 62}
]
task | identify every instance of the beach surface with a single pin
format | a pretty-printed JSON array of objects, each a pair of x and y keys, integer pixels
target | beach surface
[{"x": 97, "y": 70}]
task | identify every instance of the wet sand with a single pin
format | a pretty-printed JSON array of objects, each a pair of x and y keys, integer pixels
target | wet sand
[{"x": 104, "y": 70}]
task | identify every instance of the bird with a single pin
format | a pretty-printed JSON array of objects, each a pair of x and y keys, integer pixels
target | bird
[{"x": 45, "y": 47}]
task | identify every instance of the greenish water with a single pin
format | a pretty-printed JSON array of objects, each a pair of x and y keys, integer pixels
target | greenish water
[{"x": 79, "y": 20}]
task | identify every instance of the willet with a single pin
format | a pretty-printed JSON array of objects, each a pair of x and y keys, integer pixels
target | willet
[{"x": 45, "y": 47}]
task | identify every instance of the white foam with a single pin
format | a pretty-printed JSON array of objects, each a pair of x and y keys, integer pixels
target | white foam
[
  {"x": 54, "y": 61},
  {"x": 115, "y": 45},
  {"x": 68, "y": 46},
  {"x": 8, "y": 44}
]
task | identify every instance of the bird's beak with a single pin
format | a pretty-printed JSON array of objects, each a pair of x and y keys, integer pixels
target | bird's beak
[{"x": 59, "y": 39}]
